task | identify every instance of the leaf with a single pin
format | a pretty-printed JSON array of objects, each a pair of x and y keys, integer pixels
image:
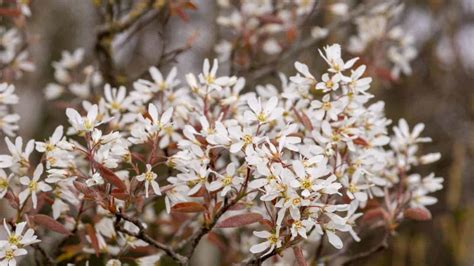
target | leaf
[
  {"x": 93, "y": 238},
  {"x": 375, "y": 213},
  {"x": 119, "y": 194},
  {"x": 188, "y": 207},
  {"x": 9, "y": 12},
  {"x": 306, "y": 121},
  {"x": 418, "y": 214},
  {"x": 240, "y": 220},
  {"x": 88, "y": 192},
  {"x": 299, "y": 256},
  {"x": 360, "y": 141},
  {"x": 112, "y": 178},
  {"x": 50, "y": 224}
]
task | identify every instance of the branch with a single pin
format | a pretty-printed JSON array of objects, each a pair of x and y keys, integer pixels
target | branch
[
  {"x": 259, "y": 260},
  {"x": 107, "y": 33},
  {"x": 379, "y": 247},
  {"x": 196, "y": 237},
  {"x": 145, "y": 237}
]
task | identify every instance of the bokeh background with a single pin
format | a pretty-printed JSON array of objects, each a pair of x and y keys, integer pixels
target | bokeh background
[{"x": 439, "y": 93}]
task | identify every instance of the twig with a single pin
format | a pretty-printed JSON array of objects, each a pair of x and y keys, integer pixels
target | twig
[
  {"x": 107, "y": 32},
  {"x": 145, "y": 237},
  {"x": 50, "y": 260},
  {"x": 379, "y": 247},
  {"x": 259, "y": 260}
]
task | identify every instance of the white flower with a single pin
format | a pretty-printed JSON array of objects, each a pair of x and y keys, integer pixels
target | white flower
[
  {"x": 50, "y": 145},
  {"x": 262, "y": 114},
  {"x": 19, "y": 159},
  {"x": 7, "y": 255},
  {"x": 83, "y": 124},
  {"x": 17, "y": 239},
  {"x": 156, "y": 123},
  {"x": 209, "y": 77},
  {"x": 4, "y": 183},
  {"x": 96, "y": 179},
  {"x": 332, "y": 55},
  {"x": 150, "y": 179},
  {"x": 33, "y": 186},
  {"x": 329, "y": 108},
  {"x": 226, "y": 181},
  {"x": 272, "y": 241},
  {"x": 116, "y": 100},
  {"x": 7, "y": 94}
]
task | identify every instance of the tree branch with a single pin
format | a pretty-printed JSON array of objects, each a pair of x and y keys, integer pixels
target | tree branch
[
  {"x": 145, "y": 237},
  {"x": 107, "y": 33},
  {"x": 377, "y": 248}
]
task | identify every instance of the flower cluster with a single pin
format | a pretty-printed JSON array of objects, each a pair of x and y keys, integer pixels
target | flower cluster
[
  {"x": 72, "y": 77},
  {"x": 375, "y": 29},
  {"x": 16, "y": 242},
  {"x": 268, "y": 26},
  {"x": 14, "y": 57},
  {"x": 298, "y": 164},
  {"x": 8, "y": 119}
]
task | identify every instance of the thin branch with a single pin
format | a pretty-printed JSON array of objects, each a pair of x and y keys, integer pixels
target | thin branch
[
  {"x": 377, "y": 248},
  {"x": 259, "y": 260},
  {"x": 43, "y": 252},
  {"x": 107, "y": 33},
  {"x": 145, "y": 237}
]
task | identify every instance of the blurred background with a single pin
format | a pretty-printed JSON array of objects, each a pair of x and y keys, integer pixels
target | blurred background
[{"x": 439, "y": 93}]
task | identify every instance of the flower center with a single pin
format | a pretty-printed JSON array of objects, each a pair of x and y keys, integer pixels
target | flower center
[
  {"x": 149, "y": 176},
  {"x": 33, "y": 186},
  {"x": 273, "y": 239},
  {"x": 3, "y": 183},
  {"x": 247, "y": 139},
  {"x": 227, "y": 180},
  {"x": 13, "y": 240},
  {"x": 261, "y": 117},
  {"x": 306, "y": 184}
]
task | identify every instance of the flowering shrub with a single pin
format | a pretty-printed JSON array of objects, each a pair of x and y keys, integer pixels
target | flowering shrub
[
  {"x": 146, "y": 172},
  {"x": 293, "y": 167}
]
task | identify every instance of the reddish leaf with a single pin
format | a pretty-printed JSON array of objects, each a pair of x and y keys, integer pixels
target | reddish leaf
[
  {"x": 237, "y": 206},
  {"x": 112, "y": 178},
  {"x": 12, "y": 199},
  {"x": 10, "y": 12},
  {"x": 267, "y": 224},
  {"x": 375, "y": 213},
  {"x": 93, "y": 238},
  {"x": 188, "y": 207},
  {"x": 87, "y": 191},
  {"x": 190, "y": 5},
  {"x": 299, "y": 256},
  {"x": 119, "y": 194},
  {"x": 306, "y": 121},
  {"x": 214, "y": 239},
  {"x": 50, "y": 224},
  {"x": 418, "y": 214},
  {"x": 240, "y": 220},
  {"x": 360, "y": 141}
]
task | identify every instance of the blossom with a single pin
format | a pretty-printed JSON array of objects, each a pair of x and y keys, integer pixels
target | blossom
[
  {"x": 83, "y": 124},
  {"x": 4, "y": 183},
  {"x": 7, "y": 255},
  {"x": 272, "y": 242},
  {"x": 262, "y": 114},
  {"x": 332, "y": 56},
  {"x": 50, "y": 145},
  {"x": 18, "y": 239},
  {"x": 226, "y": 181},
  {"x": 33, "y": 186},
  {"x": 150, "y": 179}
]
